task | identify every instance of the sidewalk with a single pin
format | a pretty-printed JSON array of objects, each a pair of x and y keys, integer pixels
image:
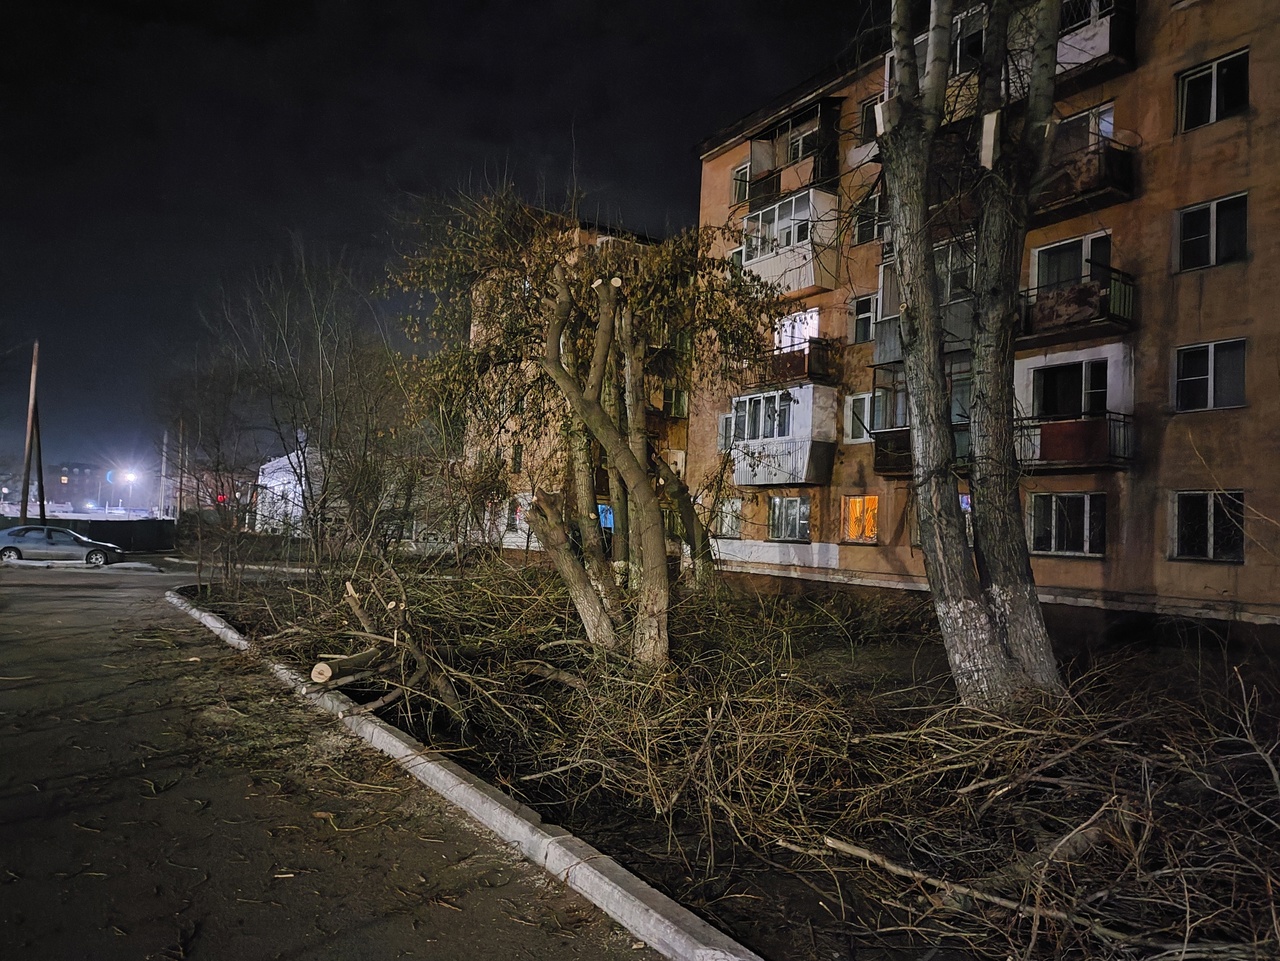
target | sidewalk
[{"x": 163, "y": 798}]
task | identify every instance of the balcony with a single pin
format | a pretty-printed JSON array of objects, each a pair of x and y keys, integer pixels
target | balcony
[
  {"x": 816, "y": 361},
  {"x": 1096, "y": 43},
  {"x": 1101, "y": 305},
  {"x": 792, "y": 243},
  {"x": 1103, "y": 441},
  {"x": 782, "y": 463},
  {"x": 1085, "y": 180},
  {"x": 957, "y": 325},
  {"x": 891, "y": 454}
]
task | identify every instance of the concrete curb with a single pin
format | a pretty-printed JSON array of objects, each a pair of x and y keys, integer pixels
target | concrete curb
[{"x": 672, "y": 930}]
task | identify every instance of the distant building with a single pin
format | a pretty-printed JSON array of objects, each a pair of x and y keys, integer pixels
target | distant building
[{"x": 284, "y": 493}]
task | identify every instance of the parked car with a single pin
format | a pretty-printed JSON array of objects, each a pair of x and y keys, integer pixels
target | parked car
[{"x": 35, "y": 543}]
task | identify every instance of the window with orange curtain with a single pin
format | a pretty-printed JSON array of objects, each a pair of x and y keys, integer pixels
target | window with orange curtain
[{"x": 860, "y": 515}]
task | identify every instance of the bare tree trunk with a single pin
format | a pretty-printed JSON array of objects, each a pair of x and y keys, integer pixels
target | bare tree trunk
[
  {"x": 546, "y": 519},
  {"x": 637, "y": 435},
  {"x": 695, "y": 532},
  {"x": 588, "y": 521}
]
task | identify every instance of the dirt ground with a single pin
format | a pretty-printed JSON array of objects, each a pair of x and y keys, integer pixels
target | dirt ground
[{"x": 162, "y": 798}]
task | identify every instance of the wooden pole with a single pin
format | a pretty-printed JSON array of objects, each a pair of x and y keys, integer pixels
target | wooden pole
[
  {"x": 39, "y": 448},
  {"x": 31, "y": 422}
]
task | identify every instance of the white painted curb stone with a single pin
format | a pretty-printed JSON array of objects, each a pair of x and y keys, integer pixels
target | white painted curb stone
[{"x": 672, "y": 930}]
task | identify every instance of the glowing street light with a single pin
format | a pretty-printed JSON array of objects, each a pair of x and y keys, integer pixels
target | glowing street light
[{"x": 130, "y": 477}]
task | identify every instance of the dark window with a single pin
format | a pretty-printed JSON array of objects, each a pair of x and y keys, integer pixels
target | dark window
[
  {"x": 741, "y": 183},
  {"x": 1214, "y": 91},
  {"x": 867, "y": 224},
  {"x": 861, "y": 318},
  {"x": 513, "y": 514},
  {"x": 1213, "y": 233},
  {"x": 1070, "y": 390},
  {"x": 789, "y": 518},
  {"x": 1210, "y": 525},
  {"x": 517, "y": 458},
  {"x": 867, "y": 125},
  {"x": 1210, "y": 375},
  {"x": 1069, "y": 523}
]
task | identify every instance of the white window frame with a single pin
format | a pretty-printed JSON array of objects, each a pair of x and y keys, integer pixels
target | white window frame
[
  {"x": 1087, "y": 366},
  {"x": 777, "y": 228},
  {"x": 845, "y": 537},
  {"x": 1213, "y": 553},
  {"x": 726, "y": 521},
  {"x": 858, "y": 418},
  {"x": 944, "y": 258},
  {"x": 781, "y": 515},
  {"x": 1088, "y": 536},
  {"x": 867, "y": 131},
  {"x": 1095, "y": 10},
  {"x": 867, "y": 222},
  {"x": 1212, "y": 206},
  {"x": 863, "y": 312},
  {"x": 1210, "y": 68},
  {"x": 1086, "y": 242},
  {"x": 740, "y": 185},
  {"x": 1211, "y": 375},
  {"x": 752, "y": 413},
  {"x": 794, "y": 331}
]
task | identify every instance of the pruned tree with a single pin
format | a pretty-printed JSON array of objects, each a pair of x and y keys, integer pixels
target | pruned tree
[
  {"x": 962, "y": 149},
  {"x": 560, "y": 333}
]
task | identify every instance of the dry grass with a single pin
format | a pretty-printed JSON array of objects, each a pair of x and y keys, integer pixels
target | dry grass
[{"x": 1121, "y": 821}]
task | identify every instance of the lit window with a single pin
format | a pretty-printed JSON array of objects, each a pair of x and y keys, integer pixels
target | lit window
[
  {"x": 794, "y": 331},
  {"x": 1213, "y": 233},
  {"x": 860, "y": 513},
  {"x": 1213, "y": 91},
  {"x": 1209, "y": 525},
  {"x": 1069, "y": 524},
  {"x": 1209, "y": 376},
  {"x": 789, "y": 518}
]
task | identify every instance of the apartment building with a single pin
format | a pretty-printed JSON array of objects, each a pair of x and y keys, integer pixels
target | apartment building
[{"x": 1148, "y": 360}]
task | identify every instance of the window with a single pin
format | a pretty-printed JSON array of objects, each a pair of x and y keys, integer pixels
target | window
[
  {"x": 727, "y": 519},
  {"x": 862, "y": 316},
  {"x": 65, "y": 479},
  {"x": 954, "y": 263},
  {"x": 1069, "y": 262},
  {"x": 867, "y": 225},
  {"x": 762, "y": 416},
  {"x": 802, "y": 143},
  {"x": 966, "y": 45},
  {"x": 789, "y": 518},
  {"x": 741, "y": 184},
  {"x": 889, "y": 409},
  {"x": 867, "y": 123},
  {"x": 1069, "y": 524},
  {"x": 517, "y": 458},
  {"x": 724, "y": 435},
  {"x": 794, "y": 331},
  {"x": 675, "y": 402},
  {"x": 1070, "y": 390},
  {"x": 1213, "y": 91},
  {"x": 1209, "y": 525},
  {"x": 890, "y": 292},
  {"x": 1209, "y": 376},
  {"x": 735, "y": 257},
  {"x": 513, "y": 514},
  {"x": 857, "y": 418},
  {"x": 1081, "y": 13},
  {"x": 774, "y": 228},
  {"x": 1213, "y": 233},
  {"x": 859, "y": 524}
]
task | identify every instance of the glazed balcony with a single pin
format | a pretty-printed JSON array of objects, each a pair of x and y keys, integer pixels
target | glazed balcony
[
  {"x": 1085, "y": 180},
  {"x": 1100, "y": 305},
  {"x": 816, "y": 361},
  {"x": 782, "y": 463},
  {"x": 957, "y": 325},
  {"x": 891, "y": 455},
  {"x": 1103, "y": 441},
  {"x": 782, "y": 437}
]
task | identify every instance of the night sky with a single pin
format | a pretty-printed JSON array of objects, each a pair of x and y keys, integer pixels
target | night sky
[{"x": 155, "y": 152}]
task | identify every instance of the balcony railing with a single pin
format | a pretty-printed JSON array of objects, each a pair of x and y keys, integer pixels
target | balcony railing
[
  {"x": 1097, "y": 305},
  {"x": 891, "y": 454},
  {"x": 1091, "y": 441},
  {"x": 1088, "y": 179},
  {"x": 775, "y": 463},
  {"x": 817, "y": 361},
  {"x": 1097, "y": 42}
]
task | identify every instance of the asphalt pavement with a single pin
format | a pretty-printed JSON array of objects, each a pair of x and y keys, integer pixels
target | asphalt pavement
[{"x": 162, "y": 797}]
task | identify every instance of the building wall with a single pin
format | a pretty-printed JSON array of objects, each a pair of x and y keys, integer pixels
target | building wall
[{"x": 1220, "y": 449}]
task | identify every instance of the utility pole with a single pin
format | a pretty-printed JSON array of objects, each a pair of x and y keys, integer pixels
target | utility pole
[{"x": 32, "y": 444}]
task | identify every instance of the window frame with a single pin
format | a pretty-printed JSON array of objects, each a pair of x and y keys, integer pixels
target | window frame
[
  {"x": 1097, "y": 9},
  {"x": 867, "y": 120},
  {"x": 867, "y": 222},
  {"x": 1210, "y": 376},
  {"x": 862, "y": 421},
  {"x": 1212, "y": 69},
  {"x": 1213, "y": 501},
  {"x": 780, "y": 517},
  {"x": 863, "y": 314},
  {"x": 871, "y": 518},
  {"x": 726, "y": 519},
  {"x": 778, "y": 414},
  {"x": 675, "y": 402},
  {"x": 769, "y": 237},
  {"x": 1088, "y": 264},
  {"x": 1088, "y": 538},
  {"x": 1214, "y": 253},
  {"x": 740, "y": 184}
]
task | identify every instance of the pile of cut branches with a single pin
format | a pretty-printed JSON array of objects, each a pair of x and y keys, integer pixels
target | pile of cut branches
[{"x": 1118, "y": 822}]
